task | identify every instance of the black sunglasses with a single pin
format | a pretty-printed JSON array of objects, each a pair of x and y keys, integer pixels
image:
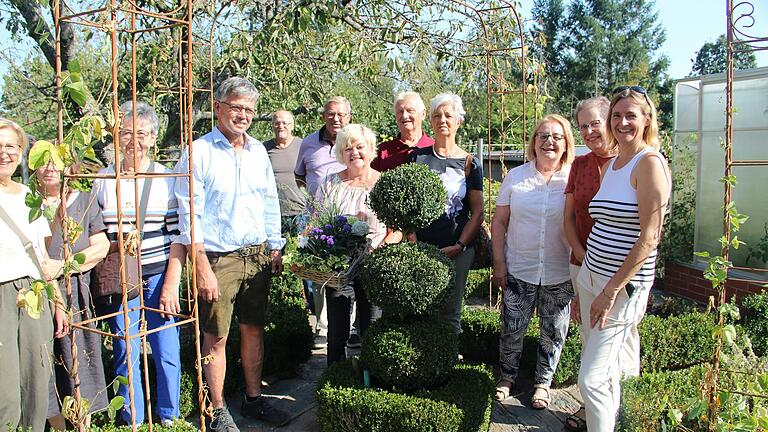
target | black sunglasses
[{"x": 636, "y": 89}]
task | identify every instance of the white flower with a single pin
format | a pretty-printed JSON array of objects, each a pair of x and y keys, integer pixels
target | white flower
[
  {"x": 301, "y": 241},
  {"x": 360, "y": 228}
]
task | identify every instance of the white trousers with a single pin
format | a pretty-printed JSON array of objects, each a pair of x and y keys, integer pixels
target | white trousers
[{"x": 608, "y": 353}]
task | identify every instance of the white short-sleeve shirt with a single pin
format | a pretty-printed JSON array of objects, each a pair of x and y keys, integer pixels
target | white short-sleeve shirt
[
  {"x": 16, "y": 262},
  {"x": 536, "y": 249}
]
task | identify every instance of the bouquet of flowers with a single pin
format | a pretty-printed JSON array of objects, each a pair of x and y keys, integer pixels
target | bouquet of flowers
[{"x": 329, "y": 247}]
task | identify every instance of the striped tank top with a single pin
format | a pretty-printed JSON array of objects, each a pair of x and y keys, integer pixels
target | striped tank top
[{"x": 617, "y": 224}]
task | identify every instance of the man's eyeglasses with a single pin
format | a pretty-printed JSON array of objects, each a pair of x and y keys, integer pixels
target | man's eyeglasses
[
  {"x": 237, "y": 109},
  {"x": 593, "y": 125},
  {"x": 636, "y": 89},
  {"x": 332, "y": 114},
  {"x": 282, "y": 123},
  {"x": 10, "y": 149},
  {"x": 544, "y": 136},
  {"x": 128, "y": 135}
]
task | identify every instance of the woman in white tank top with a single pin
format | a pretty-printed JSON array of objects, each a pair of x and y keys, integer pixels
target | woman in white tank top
[{"x": 616, "y": 278}]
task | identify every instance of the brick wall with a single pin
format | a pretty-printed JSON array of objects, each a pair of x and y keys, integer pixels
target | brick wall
[{"x": 687, "y": 280}]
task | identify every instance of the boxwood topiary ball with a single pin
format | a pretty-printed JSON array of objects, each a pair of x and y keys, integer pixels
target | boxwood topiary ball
[
  {"x": 408, "y": 197},
  {"x": 410, "y": 356},
  {"x": 407, "y": 279}
]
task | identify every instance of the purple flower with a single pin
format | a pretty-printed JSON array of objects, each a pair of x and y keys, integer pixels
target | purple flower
[
  {"x": 317, "y": 230},
  {"x": 330, "y": 241},
  {"x": 347, "y": 228},
  {"x": 323, "y": 237},
  {"x": 342, "y": 220},
  {"x": 328, "y": 226}
]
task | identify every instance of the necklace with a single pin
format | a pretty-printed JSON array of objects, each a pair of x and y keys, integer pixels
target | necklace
[{"x": 450, "y": 155}]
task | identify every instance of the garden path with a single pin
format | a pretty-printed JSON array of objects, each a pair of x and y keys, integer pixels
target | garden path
[{"x": 296, "y": 395}]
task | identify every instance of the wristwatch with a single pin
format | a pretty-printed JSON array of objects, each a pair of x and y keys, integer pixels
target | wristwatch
[{"x": 463, "y": 246}]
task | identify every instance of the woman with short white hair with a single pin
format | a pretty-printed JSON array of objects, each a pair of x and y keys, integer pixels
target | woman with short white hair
[
  {"x": 347, "y": 191},
  {"x": 455, "y": 230}
]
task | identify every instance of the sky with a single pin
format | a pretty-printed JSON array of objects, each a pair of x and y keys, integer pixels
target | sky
[
  {"x": 688, "y": 23},
  {"x": 691, "y": 23}
]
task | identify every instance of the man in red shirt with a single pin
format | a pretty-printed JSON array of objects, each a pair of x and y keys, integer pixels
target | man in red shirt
[{"x": 409, "y": 114}]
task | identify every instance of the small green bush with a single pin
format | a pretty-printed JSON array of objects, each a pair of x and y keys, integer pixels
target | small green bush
[
  {"x": 676, "y": 342},
  {"x": 408, "y": 197},
  {"x": 754, "y": 315},
  {"x": 479, "y": 338},
  {"x": 463, "y": 404},
  {"x": 666, "y": 306},
  {"x": 407, "y": 279},
  {"x": 646, "y": 399},
  {"x": 409, "y": 356},
  {"x": 478, "y": 282}
]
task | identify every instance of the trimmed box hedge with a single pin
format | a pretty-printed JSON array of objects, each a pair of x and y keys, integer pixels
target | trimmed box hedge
[
  {"x": 462, "y": 405},
  {"x": 754, "y": 319},
  {"x": 410, "y": 356}
]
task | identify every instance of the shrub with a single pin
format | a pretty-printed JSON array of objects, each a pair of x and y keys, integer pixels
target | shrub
[
  {"x": 177, "y": 426},
  {"x": 477, "y": 285},
  {"x": 463, "y": 404},
  {"x": 479, "y": 338},
  {"x": 407, "y": 279},
  {"x": 409, "y": 356},
  {"x": 666, "y": 306},
  {"x": 675, "y": 342},
  {"x": 408, "y": 197},
  {"x": 754, "y": 315},
  {"x": 646, "y": 399}
]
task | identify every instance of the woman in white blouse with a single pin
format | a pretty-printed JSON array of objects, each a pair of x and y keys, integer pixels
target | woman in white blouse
[
  {"x": 530, "y": 255},
  {"x": 25, "y": 337}
]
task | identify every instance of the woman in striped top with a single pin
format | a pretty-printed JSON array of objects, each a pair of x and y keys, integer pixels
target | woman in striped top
[
  {"x": 348, "y": 192},
  {"x": 160, "y": 261},
  {"x": 618, "y": 271}
]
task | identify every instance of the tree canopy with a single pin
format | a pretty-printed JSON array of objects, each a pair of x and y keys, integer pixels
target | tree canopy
[{"x": 710, "y": 58}]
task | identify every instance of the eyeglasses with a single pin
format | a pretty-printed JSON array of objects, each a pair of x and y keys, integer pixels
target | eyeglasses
[
  {"x": 332, "y": 114},
  {"x": 237, "y": 109},
  {"x": 593, "y": 125},
  {"x": 636, "y": 89},
  {"x": 544, "y": 136},
  {"x": 282, "y": 123},
  {"x": 10, "y": 149},
  {"x": 141, "y": 135}
]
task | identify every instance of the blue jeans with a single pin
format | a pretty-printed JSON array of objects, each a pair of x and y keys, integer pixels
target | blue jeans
[{"x": 165, "y": 352}]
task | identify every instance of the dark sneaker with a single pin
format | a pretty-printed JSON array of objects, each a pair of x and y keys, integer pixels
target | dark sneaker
[
  {"x": 261, "y": 409},
  {"x": 354, "y": 341},
  {"x": 222, "y": 421}
]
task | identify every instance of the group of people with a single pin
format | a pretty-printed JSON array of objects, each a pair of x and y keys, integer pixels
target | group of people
[
  {"x": 565, "y": 243},
  {"x": 577, "y": 237}
]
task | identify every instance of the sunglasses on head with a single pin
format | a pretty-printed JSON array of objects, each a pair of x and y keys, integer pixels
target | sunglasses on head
[{"x": 636, "y": 89}]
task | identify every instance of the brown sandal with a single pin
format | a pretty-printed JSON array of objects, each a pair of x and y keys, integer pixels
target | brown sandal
[
  {"x": 576, "y": 422},
  {"x": 503, "y": 389},
  {"x": 540, "y": 398}
]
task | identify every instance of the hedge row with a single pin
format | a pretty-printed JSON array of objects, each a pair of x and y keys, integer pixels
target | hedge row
[
  {"x": 754, "y": 319},
  {"x": 669, "y": 343},
  {"x": 463, "y": 404}
]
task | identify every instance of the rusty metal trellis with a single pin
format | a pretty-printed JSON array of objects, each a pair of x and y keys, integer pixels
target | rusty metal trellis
[
  {"x": 118, "y": 20},
  {"x": 739, "y": 38}
]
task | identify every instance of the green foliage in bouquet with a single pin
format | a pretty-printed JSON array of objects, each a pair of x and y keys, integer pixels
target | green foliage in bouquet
[
  {"x": 410, "y": 356},
  {"x": 408, "y": 197},
  {"x": 407, "y": 279}
]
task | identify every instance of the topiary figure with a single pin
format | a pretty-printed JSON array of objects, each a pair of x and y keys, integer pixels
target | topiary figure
[
  {"x": 408, "y": 197},
  {"x": 411, "y": 356},
  {"x": 407, "y": 279}
]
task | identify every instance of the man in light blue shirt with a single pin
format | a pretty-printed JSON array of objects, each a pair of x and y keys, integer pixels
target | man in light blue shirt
[{"x": 236, "y": 240}]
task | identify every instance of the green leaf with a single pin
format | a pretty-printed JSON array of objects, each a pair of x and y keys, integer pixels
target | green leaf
[
  {"x": 704, "y": 254},
  {"x": 33, "y": 304},
  {"x": 35, "y": 213},
  {"x": 79, "y": 258},
  {"x": 122, "y": 380},
  {"x": 50, "y": 213},
  {"x": 729, "y": 333},
  {"x": 762, "y": 379},
  {"x": 73, "y": 66},
  {"x": 42, "y": 152},
  {"x": 32, "y": 200},
  {"x": 49, "y": 290},
  {"x": 77, "y": 92},
  {"x": 115, "y": 405},
  {"x": 729, "y": 310}
]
